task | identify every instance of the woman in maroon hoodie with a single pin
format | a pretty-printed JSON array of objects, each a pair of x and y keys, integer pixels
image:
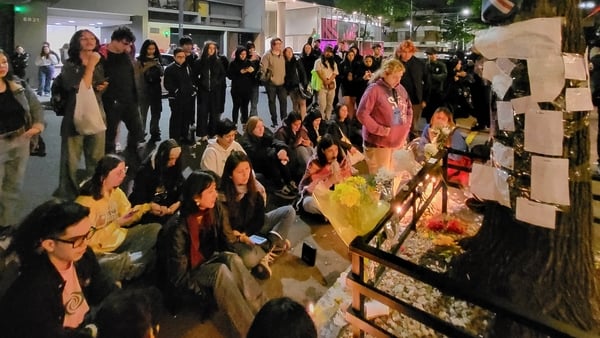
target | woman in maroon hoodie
[{"x": 386, "y": 113}]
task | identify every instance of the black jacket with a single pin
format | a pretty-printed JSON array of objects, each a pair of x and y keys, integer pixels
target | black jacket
[
  {"x": 178, "y": 80},
  {"x": 416, "y": 80},
  {"x": 209, "y": 74},
  {"x": 262, "y": 151},
  {"x": 33, "y": 305},
  {"x": 241, "y": 83},
  {"x": 294, "y": 74}
]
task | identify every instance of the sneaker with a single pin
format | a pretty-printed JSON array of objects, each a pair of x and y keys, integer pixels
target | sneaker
[
  {"x": 262, "y": 270},
  {"x": 294, "y": 186},
  {"x": 285, "y": 193},
  {"x": 279, "y": 244}
]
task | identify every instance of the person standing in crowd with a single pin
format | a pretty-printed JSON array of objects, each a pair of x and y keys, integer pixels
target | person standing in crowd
[
  {"x": 179, "y": 82},
  {"x": 247, "y": 216},
  {"x": 295, "y": 76},
  {"x": 282, "y": 318},
  {"x": 45, "y": 62},
  {"x": 209, "y": 75},
  {"x": 377, "y": 56},
  {"x": 187, "y": 45},
  {"x": 254, "y": 58},
  {"x": 327, "y": 70},
  {"x": 124, "y": 251},
  {"x": 21, "y": 117},
  {"x": 120, "y": 98},
  {"x": 385, "y": 112},
  {"x": 315, "y": 44},
  {"x": 47, "y": 44},
  {"x": 242, "y": 74},
  {"x": 83, "y": 65},
  {"x": 222, "y": 89},
  {"x": 148, "y": 73},
  {"x": 415, "y": 81},
  {"x": 365, "y": 72},
  {"x": 20, "y": 60},
  {"x": 328, "y": 167},
  {"x": 159, "y": 181},
  {"x": 60, "y": 278},
  {"x": 349, "y": 73},
  {"x": 197, "y": 258},
  {"x": 437, "y": 72},
  {"x": 308, "y": 62},
  {"x": 272, "y": 66}
]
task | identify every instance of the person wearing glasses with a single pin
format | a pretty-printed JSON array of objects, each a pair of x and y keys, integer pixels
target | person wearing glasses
[
  {"x": 124, "y": 250},
  {"x": 120, "y": 98},
  {"x": 386, "y": 114},
  {"x": 60, "y": 278}
]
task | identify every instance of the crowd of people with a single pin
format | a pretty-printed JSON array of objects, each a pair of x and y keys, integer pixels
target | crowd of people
[{"x": 210, "y": 231}]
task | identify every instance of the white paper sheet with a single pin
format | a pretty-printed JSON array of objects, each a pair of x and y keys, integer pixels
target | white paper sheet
[
  {"x": 501, "y": 83},
  {"x": 550, "y": 180},
  {"x": 524, "y": 104},
  {"x": 539, "y": 214},
  {"x": 489, "y": 183},
  {"x": 506, "y": 120},
  {"x": 490, "y": 69},
  {"x": 579, "y": 99},
  {"x": 521, "y": 40},
  {"x": 544, "y": 132},
  {"x": 505, "y": 65},
  {"x": 503, "y": 155},
  {"x": 546, "y": 77},
  {"x": 575, "y": 67}
]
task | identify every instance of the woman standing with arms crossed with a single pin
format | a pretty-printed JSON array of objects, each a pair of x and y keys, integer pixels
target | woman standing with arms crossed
[
  {"x": 386, "y": 113},
  {"x": 21, "y": 117}
]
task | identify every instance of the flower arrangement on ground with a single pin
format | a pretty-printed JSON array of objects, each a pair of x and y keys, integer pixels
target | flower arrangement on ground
[
  {"x": 353, "y": 207},
  {"x": 440, "y": 137}
]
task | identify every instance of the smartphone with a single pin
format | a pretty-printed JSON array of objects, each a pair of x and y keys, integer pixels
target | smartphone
[{"x": 256, "y": 239}]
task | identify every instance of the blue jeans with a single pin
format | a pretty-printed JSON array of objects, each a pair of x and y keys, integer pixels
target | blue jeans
[
  {"x": 279, "y": 220},
  {"x": 14, "y": 154},
  {"x": 45, "y": 74}
]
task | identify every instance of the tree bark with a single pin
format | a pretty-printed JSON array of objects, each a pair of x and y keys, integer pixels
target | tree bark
[{"x": 546, "y": 271}]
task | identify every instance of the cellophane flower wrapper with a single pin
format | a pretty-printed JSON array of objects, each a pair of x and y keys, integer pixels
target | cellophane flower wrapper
[{"x": 353, "y": 207}]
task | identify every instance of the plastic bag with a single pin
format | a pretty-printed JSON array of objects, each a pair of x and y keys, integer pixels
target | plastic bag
[
  {"x": 315, "y": 81},
  {"x": 87, "y": 116}
]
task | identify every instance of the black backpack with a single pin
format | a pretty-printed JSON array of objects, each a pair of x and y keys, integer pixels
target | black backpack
[{"x": 59, "y": 96}]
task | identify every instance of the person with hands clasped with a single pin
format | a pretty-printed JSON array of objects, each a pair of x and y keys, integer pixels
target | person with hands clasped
[
  {"x": 123, "y": 250},
  {"x": 84, "y": 64},
  {"x": 21, "y": 117},
  {"x": 385, "y": 112}
]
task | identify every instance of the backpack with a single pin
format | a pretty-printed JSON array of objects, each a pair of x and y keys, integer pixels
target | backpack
[{"x": 59, "y": 96}]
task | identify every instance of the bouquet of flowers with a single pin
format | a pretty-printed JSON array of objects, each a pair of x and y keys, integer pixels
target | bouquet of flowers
[
  {"x": 353, "y": 207},
  {"x": 439, "y": 136}
]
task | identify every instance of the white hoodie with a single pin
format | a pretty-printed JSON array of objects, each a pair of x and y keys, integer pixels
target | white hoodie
[{"x": 215, "y": 155}]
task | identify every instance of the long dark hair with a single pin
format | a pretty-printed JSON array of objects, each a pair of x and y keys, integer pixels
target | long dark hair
[
  {"x": 48, "y": 220},
  {"x": 167, "y": 176},
  {"x": 282, "y": 317},
  {"x": 228, "y": 187},
  {"x": 93, "y": 187},
  {"x": 143, "y": 57},
  {"x": 325, "y": 143},
  {"x": 75, "y": 45},
  {"x": 195, "y": 184},
  {"x": 205, "y": 55}
]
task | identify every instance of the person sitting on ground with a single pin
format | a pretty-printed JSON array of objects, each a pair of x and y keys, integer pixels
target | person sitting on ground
[
  {"x": 60, "y": 277},
  {"x": 158, "y": 181},
  {"x": 124, "y": 251},
  {"x": 328, "y": 167},
  {"x": 219, "y": 148},
  {"x": 196, "y": 254},
  {"x": 344, "y": 130},
  {"x": 269, "y": 157},
  {"x": 441, "y": 119},
  {"x": 313, "y": 126},
  {"x": 296, "y": 138},
  {"x": 131, "y": 313},
  {"x": 282, "y": 318},
  {"x": 247, "y": 217}
]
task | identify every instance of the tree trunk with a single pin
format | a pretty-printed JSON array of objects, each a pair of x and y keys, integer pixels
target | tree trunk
[{"x": 545, "y": 271}]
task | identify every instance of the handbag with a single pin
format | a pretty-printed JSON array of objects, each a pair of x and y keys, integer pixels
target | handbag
[
  {"x": 305, "y": 93},
  {"x": 87, "y": 117},
  {"x": 315, "y": 80}
]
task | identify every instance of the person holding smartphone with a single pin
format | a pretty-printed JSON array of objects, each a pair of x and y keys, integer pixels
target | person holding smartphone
[
  {"x": 124, "y": 250},
  {"x": 260, "y": 236}
]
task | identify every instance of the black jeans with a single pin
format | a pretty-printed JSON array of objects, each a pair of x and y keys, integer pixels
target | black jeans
[
  {"x": 182, "y": 116},
  {"x": 116, "y": 112},
  {"x": 281, "y": 93},
  {"x": 208, "y": 113}
]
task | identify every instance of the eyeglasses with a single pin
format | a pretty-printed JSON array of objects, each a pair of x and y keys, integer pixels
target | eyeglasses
[
  {"x": 77, "y": 241},
  {"x": 125, "y": 42}
]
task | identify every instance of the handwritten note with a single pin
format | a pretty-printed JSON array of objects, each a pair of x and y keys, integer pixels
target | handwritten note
[
  {"x": 539, "y": 214},
  {"x": 550, "y": 180},
  {"x": 544, "y": 132}
]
